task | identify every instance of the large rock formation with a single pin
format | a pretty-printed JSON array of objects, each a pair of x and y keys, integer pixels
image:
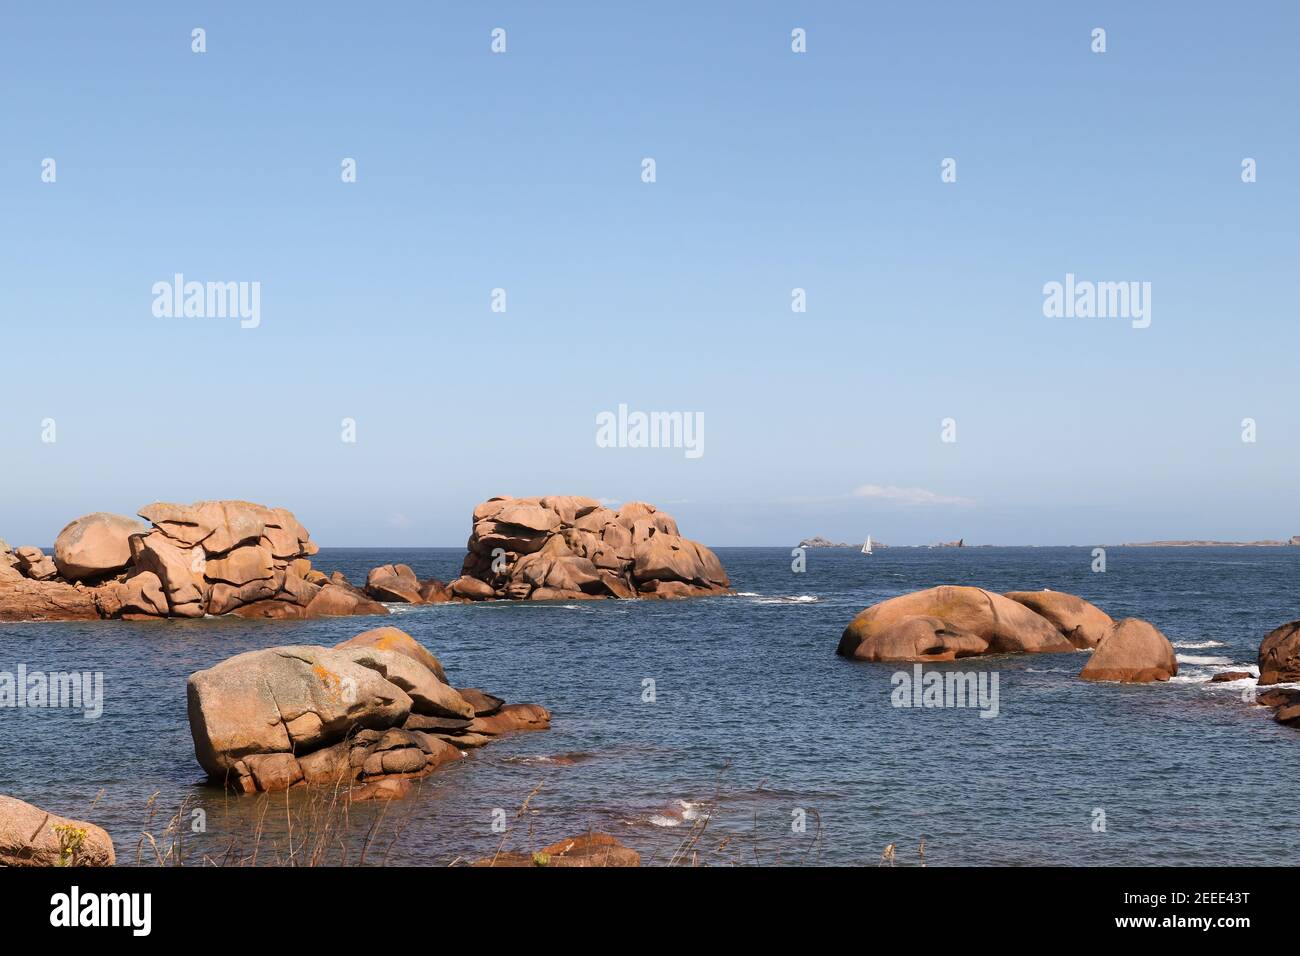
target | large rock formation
[
  {"x": 29, "y": 836},
  {"x": 1279, "y": 655},
  {"x": 1083, "y": 624},
  {"x": 947, "y": 622},
  {"x": 950, "y": 622},
  {"x": 564, "y": 547},
  {"x": 236, "y": 557},
  {"x": 373, "y": 708},
  {"x": 211, "y": 557},
  {"x": 1133, "y": 652}
]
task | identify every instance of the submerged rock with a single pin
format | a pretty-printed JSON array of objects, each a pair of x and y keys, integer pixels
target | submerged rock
[{"x": 1224, "y": 677}]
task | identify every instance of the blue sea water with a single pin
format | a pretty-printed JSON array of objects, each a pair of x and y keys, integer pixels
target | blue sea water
[{"x": 755, "y": 725}]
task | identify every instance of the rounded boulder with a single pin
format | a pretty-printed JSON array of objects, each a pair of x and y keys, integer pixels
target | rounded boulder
[{"x": 95, "y": 545}]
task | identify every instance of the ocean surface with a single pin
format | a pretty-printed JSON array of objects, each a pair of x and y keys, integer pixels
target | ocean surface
[{"x": 757, "y": 746}]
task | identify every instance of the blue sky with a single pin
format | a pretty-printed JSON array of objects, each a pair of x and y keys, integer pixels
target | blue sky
[{"x": 775, "y": 170}]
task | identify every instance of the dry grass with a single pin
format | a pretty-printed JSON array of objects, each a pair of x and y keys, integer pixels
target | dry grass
[{"x": 320, "y": 828}]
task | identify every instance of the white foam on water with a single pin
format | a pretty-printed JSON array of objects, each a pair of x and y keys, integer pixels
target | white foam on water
[
  {"x": 690, "y": 811},
  {"x": 685, "y": 812},
  {"x": 1193, "y": 659},
  {"x": 1193, "y": 645},
  {"x": 795, "y": 599},
  {"x": 1204, "y": 677}
]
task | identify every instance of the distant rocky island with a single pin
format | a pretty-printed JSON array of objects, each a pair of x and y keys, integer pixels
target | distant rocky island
[
  {"x": 820, "y": 542},
  {"x": 1294, "y": 540}
]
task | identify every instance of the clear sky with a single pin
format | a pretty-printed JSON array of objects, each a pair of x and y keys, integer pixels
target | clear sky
[{"x": 774, "y": 170}]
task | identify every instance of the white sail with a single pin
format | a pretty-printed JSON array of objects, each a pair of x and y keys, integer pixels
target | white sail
[{"x": 866, "y": 548}]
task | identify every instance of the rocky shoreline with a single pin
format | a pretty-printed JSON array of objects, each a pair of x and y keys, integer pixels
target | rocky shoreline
[
  {"x": 370, "y": 715},
  {"x": 235, "y": 557}
]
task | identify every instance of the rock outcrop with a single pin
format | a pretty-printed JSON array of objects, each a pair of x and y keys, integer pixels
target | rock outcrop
[
  {"x": 1227, "y": 677},
  {"x": 394, "y": 582},
  {"x": 1285, "y": 703},
  {"x": 29, "y": 836},
  {"x": 1083, "y": 624},
  {"x": 34, "y": 564},
  {"x": 208, "y": 558},
  {"x": 565, "y": 547},
  {"x": 95, "y": 546},
  {"x": 22, "y": 599},
  {"x": 1133, "y": 652},
  {"x": 245, "y": 559},
  {"x": 589, "y": 849},
  {"x": 948, "y": 622},
  {"x": 373, "y": 708},
  {"x": 1279, "y": 655},
  {"x": 397, "y": 583}
]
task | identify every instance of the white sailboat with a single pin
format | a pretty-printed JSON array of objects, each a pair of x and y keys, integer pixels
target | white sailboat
[{"x": 866, "y": 548}]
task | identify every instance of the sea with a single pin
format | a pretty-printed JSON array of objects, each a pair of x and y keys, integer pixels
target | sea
[{"x": 725, "y": 731}]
